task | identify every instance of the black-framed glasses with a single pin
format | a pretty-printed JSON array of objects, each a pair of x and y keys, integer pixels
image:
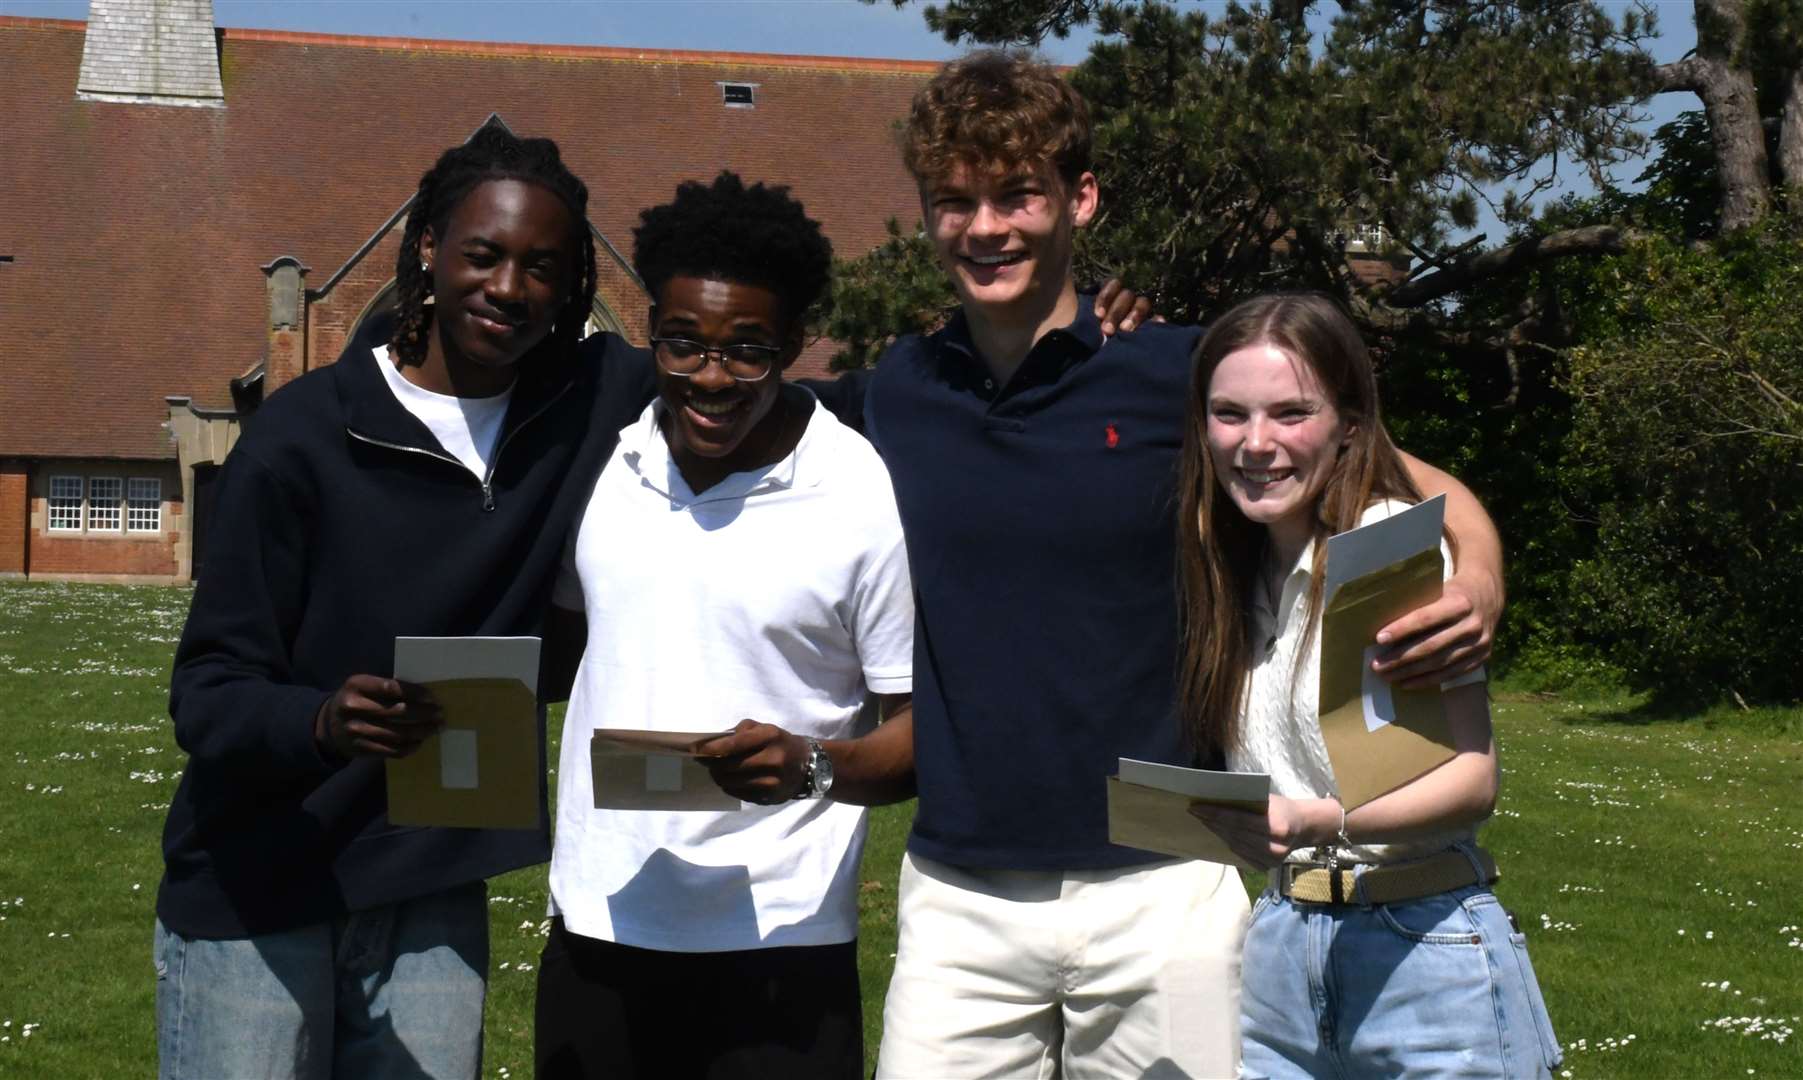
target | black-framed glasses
[{"x": 744, "y": 362}]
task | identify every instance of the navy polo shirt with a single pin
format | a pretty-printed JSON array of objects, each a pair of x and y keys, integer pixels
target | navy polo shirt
[{"x": 1040, "y": 528}]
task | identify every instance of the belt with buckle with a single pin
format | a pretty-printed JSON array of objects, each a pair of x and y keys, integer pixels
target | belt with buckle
[{"x": 1314, "y": 883}]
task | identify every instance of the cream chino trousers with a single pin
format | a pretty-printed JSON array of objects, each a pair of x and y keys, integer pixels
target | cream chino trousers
[{"x": 1075, "y": 974}]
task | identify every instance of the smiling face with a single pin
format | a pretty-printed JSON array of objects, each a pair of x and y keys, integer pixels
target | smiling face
[
  {"x": 501, "y": 267},
  {"x": 1004, "y": 235},
  {"x": 1274, "y": 436},
  {"x": 718, "y": 425}
]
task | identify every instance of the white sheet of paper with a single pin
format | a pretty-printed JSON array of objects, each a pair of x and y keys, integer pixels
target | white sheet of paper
[
  {"x": 663, "y": 773},
  {"x": 1205, "y": 784},
  {"x": 1380, "y": 707},
  {"x": 457, "y": 758},
  {"x": 1369, "y": 548},
  {"x": 425, "y": 659}
]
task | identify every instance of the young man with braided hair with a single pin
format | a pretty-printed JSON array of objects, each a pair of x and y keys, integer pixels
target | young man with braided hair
[
  {"x": 741, "y": 566},
  {"x": 1034, "y": 469},
  {"x": 415, "y": 487}
]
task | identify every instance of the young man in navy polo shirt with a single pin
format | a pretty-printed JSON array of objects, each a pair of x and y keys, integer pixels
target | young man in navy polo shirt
[{"x": 1034, "y": 469}]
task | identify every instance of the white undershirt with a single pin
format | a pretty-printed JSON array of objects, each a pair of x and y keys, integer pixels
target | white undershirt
[
  {"x": 466, "y": 427},
  {"x": 780, "y": 594}
]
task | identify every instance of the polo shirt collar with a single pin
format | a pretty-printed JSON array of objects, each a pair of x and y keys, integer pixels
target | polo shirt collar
[
  {"x": 1051, "y": 356},
  {"x": 1292, "y": 590},
  {"x": 647, "y": 454}
]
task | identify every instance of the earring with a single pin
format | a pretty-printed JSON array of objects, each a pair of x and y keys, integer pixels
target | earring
[{"x": 425, "y": 267}]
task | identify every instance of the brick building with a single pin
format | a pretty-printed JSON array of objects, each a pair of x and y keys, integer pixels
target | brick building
[{"x": 194, "y": 216}]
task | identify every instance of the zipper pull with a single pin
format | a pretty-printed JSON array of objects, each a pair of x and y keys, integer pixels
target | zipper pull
[{"x": 488, "y": 497}]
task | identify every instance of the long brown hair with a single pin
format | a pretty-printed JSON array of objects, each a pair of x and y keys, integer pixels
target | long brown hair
[{"x": 1219, "y": 550}]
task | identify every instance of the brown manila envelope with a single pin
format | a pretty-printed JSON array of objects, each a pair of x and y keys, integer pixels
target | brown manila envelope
[
  {"x": 1148, "y": 808},
  {"x": 1379, "y": 737},
  {"x": 482, "y": 768},
  {"x": 654, "y": 770}
]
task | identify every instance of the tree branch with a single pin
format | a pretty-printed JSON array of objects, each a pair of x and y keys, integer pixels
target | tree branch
[
  {"x": 1511, "y": 258},
  {"x": 1687, "y": 74}
]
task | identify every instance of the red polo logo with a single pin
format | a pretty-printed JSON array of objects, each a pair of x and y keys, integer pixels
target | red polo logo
[{"x": 1114, "y": 437}]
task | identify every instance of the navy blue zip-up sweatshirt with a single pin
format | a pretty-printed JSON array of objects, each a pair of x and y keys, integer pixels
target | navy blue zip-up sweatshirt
[{"x": 339, "y": 523}]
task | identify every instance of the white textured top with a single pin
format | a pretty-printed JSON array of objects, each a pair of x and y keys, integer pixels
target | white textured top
[
  {"x": 780, "y": 594},
  {"x": 1280, "y": 724},
  {"x": 465, "y": 427}
]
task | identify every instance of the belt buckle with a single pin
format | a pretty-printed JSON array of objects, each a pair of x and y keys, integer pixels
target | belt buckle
[{"x": 1294, "y": 870}]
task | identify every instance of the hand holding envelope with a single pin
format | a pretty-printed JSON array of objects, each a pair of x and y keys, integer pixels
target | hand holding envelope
[
  {"x": 1150, "y": 804},
  {"x": 1262, "y": 840},
  {"x": 757, "y": 762}
]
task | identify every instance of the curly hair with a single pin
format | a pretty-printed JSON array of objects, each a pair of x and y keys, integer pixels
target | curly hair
[
  {"x": 996, "y": 107},
  {"x": 493, "y": 153},
  {"x": 755, "y": 235}
]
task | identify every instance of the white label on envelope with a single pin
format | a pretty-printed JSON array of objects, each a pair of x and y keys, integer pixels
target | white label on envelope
[
  {"x": 663, "y": 773},
  {"x": 1380, "y": 706},
  {"x": 457, "y": 758}
]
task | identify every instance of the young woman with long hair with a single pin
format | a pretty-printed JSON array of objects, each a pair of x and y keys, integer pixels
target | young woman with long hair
[{"x": 1379, "y": 948}]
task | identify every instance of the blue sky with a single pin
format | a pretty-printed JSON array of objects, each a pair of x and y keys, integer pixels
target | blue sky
[{"x": 822, "y": 27}]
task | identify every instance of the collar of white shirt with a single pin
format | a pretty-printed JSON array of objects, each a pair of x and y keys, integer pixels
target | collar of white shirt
[{"x": 647, "y": 454}]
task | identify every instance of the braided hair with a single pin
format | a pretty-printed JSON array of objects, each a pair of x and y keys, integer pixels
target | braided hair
[
  {"x": 493, "y": 153},
  {"x": 753, "y": 235}
]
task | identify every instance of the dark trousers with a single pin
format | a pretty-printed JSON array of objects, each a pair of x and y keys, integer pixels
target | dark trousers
[{"x": 614, "y": 1012}]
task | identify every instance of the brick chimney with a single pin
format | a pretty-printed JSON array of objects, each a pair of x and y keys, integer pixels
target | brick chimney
[{"x": 151, "y": 52}]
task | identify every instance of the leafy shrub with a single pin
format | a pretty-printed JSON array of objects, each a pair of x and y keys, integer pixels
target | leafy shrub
[{"x": 1685, "y": 460}]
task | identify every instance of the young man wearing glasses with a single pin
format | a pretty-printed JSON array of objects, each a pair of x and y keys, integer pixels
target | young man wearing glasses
[{"x": 741, "y": 567}]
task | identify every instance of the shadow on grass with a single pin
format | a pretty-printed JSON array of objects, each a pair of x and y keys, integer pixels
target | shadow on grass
[{"x": 1642, "y": 710}]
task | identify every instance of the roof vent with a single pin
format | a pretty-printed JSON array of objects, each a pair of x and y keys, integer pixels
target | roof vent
[
  {"x": 151, "y": 52},
  {"x": 738, "y": 95}
]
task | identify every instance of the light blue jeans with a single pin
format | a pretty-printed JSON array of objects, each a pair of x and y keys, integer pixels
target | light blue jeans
[
  {"x": 392, "y": 992},
  {"x": 1436, "y": 987}
]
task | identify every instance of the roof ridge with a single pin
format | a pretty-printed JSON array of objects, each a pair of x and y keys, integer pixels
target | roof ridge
[{"x": 531, "y": 49}]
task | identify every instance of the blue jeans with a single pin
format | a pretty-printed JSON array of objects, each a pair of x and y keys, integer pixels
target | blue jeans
[
  {"x": 395, "y": 991},
  {"x": 1436, "y": 987}
]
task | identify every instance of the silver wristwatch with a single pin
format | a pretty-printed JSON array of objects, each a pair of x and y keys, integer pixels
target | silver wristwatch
[{"x": 818, "y": 779}]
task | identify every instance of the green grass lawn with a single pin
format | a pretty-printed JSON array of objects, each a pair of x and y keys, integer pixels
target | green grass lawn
[{"x": 1657, "y": 864}]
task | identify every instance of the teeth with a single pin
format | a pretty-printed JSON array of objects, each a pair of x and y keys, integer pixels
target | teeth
[
  {"x": 713, "y": 408},
  {"x": 995, "y": 260},
  {"x": 1264, "y": 477}
]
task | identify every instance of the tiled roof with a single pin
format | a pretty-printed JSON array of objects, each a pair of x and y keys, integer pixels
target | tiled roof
[{"x": 137, "y": 231}]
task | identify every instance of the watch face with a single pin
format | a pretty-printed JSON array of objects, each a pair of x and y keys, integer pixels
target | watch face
[{"x": 823, "y": 771}]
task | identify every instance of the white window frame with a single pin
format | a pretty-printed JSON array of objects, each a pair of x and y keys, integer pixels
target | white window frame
[
  {"x": 106, "y": 514},
  {"x": 144, "y": 504},
  {"x": 78, "y": 495},
  {"x": 750, "y": 87}
]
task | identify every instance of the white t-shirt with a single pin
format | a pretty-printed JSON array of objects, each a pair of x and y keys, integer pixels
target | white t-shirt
[
  {"x": 781, "y": 595},
  {"x": 466, "y": 427},
  {"x": 1280, "y": 725}
]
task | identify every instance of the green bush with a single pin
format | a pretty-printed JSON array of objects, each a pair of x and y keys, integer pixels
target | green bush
[{"x": 1685, "y": 463}]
